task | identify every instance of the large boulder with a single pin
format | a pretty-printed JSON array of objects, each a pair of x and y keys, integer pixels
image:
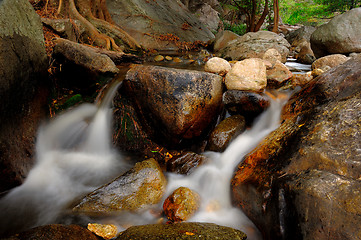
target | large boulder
[
  {"x": 23, "y": 66},
  {"x": 254, "y": 45},
  {"x": 340, "y": 35},
  {"x": 208, "y": 16},
  {"x": 178, "y": 104},
  {"x": 160, "y": 24},
  {"x": 302, "y": 181}
]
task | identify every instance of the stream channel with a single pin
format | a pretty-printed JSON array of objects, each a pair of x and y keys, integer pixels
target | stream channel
[{"x": 75, "y": 155}]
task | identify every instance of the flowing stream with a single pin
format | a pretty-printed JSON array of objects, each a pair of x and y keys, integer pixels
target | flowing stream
[{"x": 74, "y": 156}]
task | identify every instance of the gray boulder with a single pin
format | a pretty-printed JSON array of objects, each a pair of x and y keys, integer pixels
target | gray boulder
[
  {"x": 23, "y": 66},
  {"x": 160, "y": 24},
  {"x": 341, "y": 35},
  {"x": 254, "y": 45}
]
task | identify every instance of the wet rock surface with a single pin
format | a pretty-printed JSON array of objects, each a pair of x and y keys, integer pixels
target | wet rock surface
[
  {"x": 56, "y": 232},
  {"x": 185, "y": 162},
  {"x": 254, "y": 45},
  {"x": 106, "y": 231},
  {"x": 305, "y": 175},
  {"x": 181, "y": 204},
  {"x": 177, "y": 103},
  {"x": 247, "y": 104},
  {"x": 183, "y": 230},
  {"x": 225, "y": 132},
  {"x": 141, "y": 186}
]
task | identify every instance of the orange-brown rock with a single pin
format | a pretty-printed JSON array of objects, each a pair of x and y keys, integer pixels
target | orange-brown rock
[
  {"x": 106, "y": 231},
  {"x": 225, "y": 131},
  {"x": 181, "y": 204},
  {"x": 300, "y": 181}
]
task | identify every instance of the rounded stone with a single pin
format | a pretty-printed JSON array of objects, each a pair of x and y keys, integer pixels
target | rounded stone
[
  {"x": 217, "y": 65},
  {"x": 181, "y": 204}
]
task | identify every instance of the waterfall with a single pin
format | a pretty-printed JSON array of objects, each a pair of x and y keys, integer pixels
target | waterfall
[
  {"x": 212, "y": 180},
  {"x": 74, "y": 155}
]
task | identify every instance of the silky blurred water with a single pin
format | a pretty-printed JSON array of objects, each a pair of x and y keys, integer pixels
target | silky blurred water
[{"x": 74, "y": 156}]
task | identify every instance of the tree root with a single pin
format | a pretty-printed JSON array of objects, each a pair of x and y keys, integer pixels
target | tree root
[{"x": 94, "y": 16}]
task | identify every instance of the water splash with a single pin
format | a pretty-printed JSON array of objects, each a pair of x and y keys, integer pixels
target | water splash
[
  {"x": 74, "y": 156},
  {"x": 212, "y": 181}
]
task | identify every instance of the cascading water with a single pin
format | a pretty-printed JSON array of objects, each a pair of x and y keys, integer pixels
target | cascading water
[
  {"x": 212, "y": 180},
  {"x": 75, "y": 156}
]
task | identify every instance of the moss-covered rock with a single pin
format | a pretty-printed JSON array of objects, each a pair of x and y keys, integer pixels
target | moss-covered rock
[{"x": 184, "y": 230}]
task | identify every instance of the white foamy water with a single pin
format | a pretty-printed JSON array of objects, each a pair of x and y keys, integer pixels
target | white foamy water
[
  {"x": 212, "y": 181},
  {"x": 74, "y": 156}
]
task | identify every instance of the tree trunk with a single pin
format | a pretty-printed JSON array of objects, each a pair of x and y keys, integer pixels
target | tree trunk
[
  {"x": 263, "y": 17},
  {"x": 276, "y": 18}
]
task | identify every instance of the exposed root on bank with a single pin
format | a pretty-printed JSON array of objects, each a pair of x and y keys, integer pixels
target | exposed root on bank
[{"x": 99, "y": 26}]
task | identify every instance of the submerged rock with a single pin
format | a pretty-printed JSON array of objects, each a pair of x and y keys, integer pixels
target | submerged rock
[
  {"x": 141, "y": 186},
  {"x": 177, "y": 104},
  {"x": 184, "y": 230},
  {"x": 305, "y": 175},
  {"x": 225, "y": 131},
  {"x": 254, "y": 45},
  {"x": 247, "y": 75},
  {"x": 181, "y": 204}
]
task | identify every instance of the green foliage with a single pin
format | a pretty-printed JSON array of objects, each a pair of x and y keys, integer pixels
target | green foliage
[
  {"x": 339, "y": 5},
  {"x": 303, "y": 12},
  {"x": 239, "y": 29}
]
